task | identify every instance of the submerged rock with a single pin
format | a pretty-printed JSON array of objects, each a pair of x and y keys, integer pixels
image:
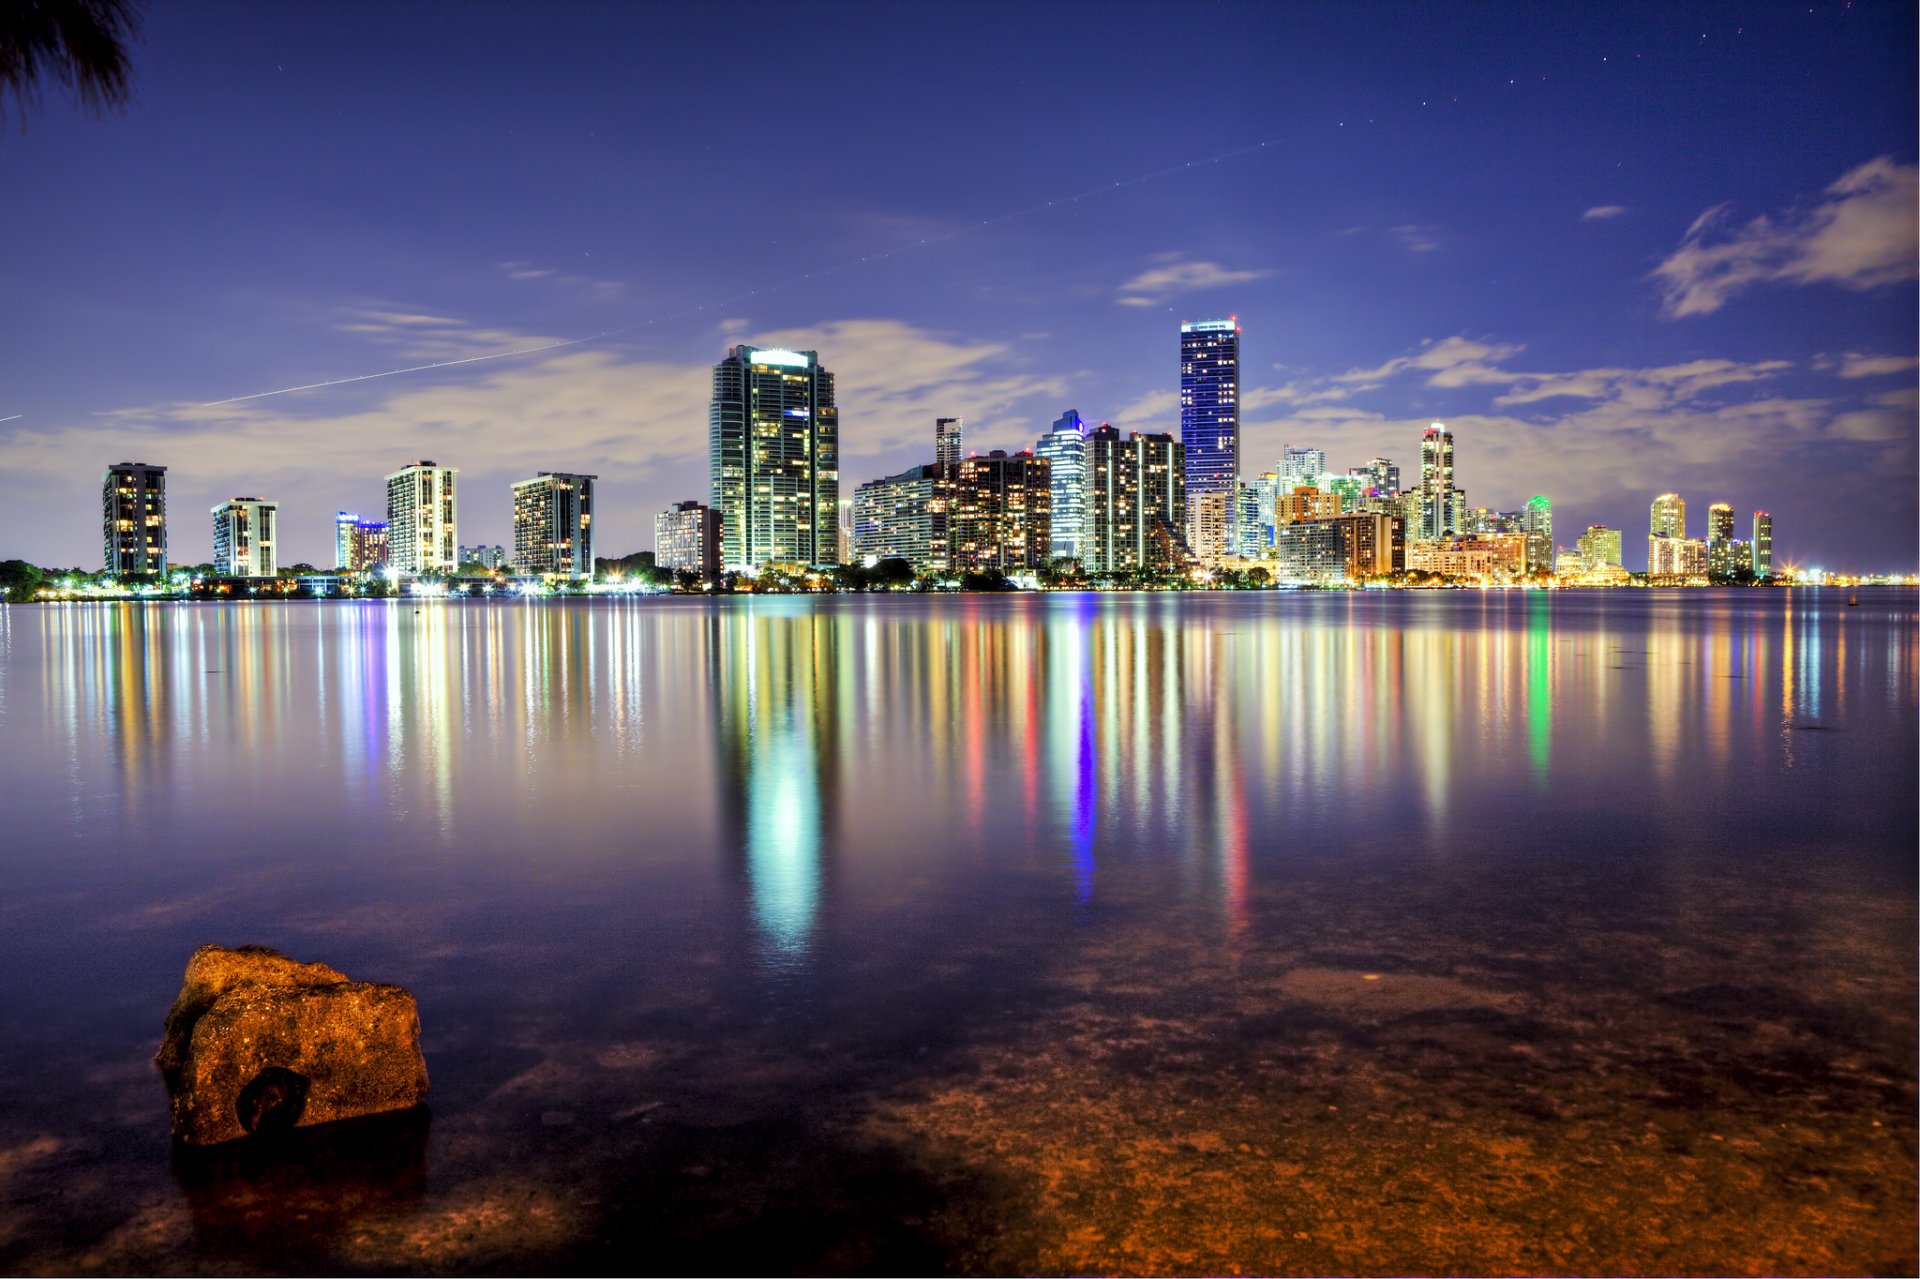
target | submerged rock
[{"x": 257, "y": 1043}]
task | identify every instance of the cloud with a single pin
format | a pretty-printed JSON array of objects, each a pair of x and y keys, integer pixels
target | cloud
[
  {"x": 1601, "y": 211},
  {"x": 527, "y": 272},
  {"x": 1853, "y": 365},
  {"x": 1414, "y": 239},
  {"x": 1174, "y": 275},
  {"x": 1450, "y": 362},
  {"x": 1860, "y": 235}
]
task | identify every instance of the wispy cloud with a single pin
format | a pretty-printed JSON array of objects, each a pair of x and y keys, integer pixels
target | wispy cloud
[
  {"x": 527, "y": 272},
  {"x": 1860, "y": 235},
  {"x": 1600, "y": 212},
  {"x": 1450, "y": 362},
  {"x": 1854, "y": 365},
  {"x": 1414, "y": 239},
  {"x": 1172, "y": 274}
]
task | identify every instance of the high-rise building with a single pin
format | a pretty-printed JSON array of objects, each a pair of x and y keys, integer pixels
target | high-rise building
[
  {"x": 359, "y": 546},
  {"x": 1065, "y": 449},
  {"x": 423, "y": 519},
  {"x": 1439, "y": 500},
  {"x": 1301, "y": 466},
  {"x": 1210, "y": 431},
  {"x": 946, "y": 440},
  {"x": 1762, "y": 544},
  {"x": 903, "y": 517},
  {"x": 844, "y": 540},
  {"x": 133, "y": 518},
  {"x": 1385, "y": 476},
  {"x": 773, "y": 453},
  {"x": 1600, "y": 547},
  {"x": 1669, "y": 517},
  {"x": 1136, "y": 502},
  {"x": 1000, "y": 513},
  {"x": 1721, "y": 546},
  {"x": 1305, "y": 502},
  {"x": 244, "y": 538},
  {"x": 1340, "y": 546},
  {"x": 1266, "y": 494},
  {"x": 686, "y": 539},
  {"x": 1537, "y": 524},
  {"x": 1250, "y": 534},
  {"x": 553, "y": 524}
]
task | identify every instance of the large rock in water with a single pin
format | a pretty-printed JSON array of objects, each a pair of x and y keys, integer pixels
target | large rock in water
[{"x": 257, "y": 1043}]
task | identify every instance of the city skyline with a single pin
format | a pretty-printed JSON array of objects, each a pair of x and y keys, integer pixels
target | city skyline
[{"x": 1616, "y": 254}]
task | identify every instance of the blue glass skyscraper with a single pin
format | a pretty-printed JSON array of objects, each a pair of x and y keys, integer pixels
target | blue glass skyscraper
[{"x": 1210, "y": 431}]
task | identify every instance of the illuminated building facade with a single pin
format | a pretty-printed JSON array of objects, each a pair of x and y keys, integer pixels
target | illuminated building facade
[
  {"x": 1065, "y": 450},
  {"x": 553, "y": 524},
  {"x": 1676, "y": 557},
  {"x": 133, "y": 519},
  {"x": 1669, "y": 516},
  {"x": 488, "y": 557},
  {"x": 359, "y": 546},
  {"x": 946, "y": 440},
  {"x": 1301, "y": 466},
  {"x": 1136, "y": 502},
  {"x": 773, "y": 454},
  {"x": 1439, "y": 500},
  {"x": 245, "y": 537},
  {"x": 1722, "y": 550},
  {"x": 686, "y": 539},
  {"x": 1762, "y": 544},
  {"x": 1537, "y": 526},
  {"x": 1000, "y": 513},
  {"x": 1600, "y": 547},
  {"x": 1384, "y": 476},
  {"x": 1210, "y": 430},
  {"x": 1305, "y": 502},
  {"x": 423, "y": 516},
  {"x": 1308, "y": 551},
  {"x": 903, "y": 517}
]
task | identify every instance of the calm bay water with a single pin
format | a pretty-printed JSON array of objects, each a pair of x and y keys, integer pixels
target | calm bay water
[{"x": 1386, "y": 932}]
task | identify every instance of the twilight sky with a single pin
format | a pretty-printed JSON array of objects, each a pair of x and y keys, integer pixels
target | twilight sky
[{"x": 1618, "y": 249}]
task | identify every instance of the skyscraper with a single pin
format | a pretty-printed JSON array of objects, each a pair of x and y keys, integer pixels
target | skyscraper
[
  {"x": 1000, "y": 512},
  {"x": 358, "y": 545},
  {"x": 1301, "y": 466},
  {"x": 686, "y": 539},
  {"x": 1065, "y": 449},
  {"x": 553, "y": 524},
  {"x": 1439, "y": 500},
  {"x": 1386, "y": 476},
  {"x": 1669, "y": 516},
  {"x": 773, "y": 451},
  {"x": 1538, "y": 526},
  {"x": 1136, "y": 502},
  {"x": 903, "y": 517},
  {"x": 946, "y": 441},
  {"x": 133, "y": 518},
  {"x": 1600, "y": 547},
  {"x": 423, "y": 519},
  {"x": 1210, "y": 430},
  {"x": 1762, "y": 544},
  {"x": 244, "y": 538},
  {"x": 1721, "y": 547}
]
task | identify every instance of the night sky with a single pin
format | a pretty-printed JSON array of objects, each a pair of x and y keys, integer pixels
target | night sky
[{"x": 1618, "y": 249}]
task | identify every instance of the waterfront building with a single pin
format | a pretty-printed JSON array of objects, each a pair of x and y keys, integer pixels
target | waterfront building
[
  {"x": 1537, "y": 527},
  {"x": 1065, "y": 449},
  {"x": 1720, "y": 542},
  {"x": 904, "y": 517},
  {"x": 487, "y": 557},
  {"x": 1210, "y": 431},
  {"x": 359, "y": 546},
  {"x": 553, "y": 524},
  {"x": 1439, "y": 500},
  {"x": 133, "y": 519},
  {"x": 244, "y": 538},
  {"x": 686, "y": 539},
  {"x": 1371, "y": 545},
  {"x": 1266, "y": 498},
  {"x": 1348, "y": 488},
  {"x": 1600, "y": 547},
  {"x": 1490, "y": 555},
  {"x": 1000, "y": 513},
  {"x": 423, "y": 519},
  {"x": 946, "y": 441},
  {"x": 773, "y": 458},
  {"x": 844, "y": 539},
  {"x": 1762, "y": 545},
  {"x": 1301, "y": 466},
  {"x": 1669, "y": 516},
  {"x": 1251, "y": 535},
  {"x": 1136, "y": 502},
  {"x": 1308, "y": 551},
  {"x": 1676, "y": 557}
]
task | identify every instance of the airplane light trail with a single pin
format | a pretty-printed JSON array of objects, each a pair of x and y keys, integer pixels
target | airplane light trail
[
  {"x": 1089, "y": 194},
  {"x": 10, "y": 418}
]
